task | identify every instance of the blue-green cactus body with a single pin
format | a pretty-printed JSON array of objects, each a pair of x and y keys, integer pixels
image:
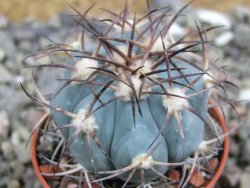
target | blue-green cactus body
[
  {"x": 193, "y": 127},
  {"x": 67, "y": 99},
  {"x": 83, "y": 151},
  {"x": 122, "y": 141},
  {"x": 71, "y": 95},
  {"x": 132, "y": 140}
]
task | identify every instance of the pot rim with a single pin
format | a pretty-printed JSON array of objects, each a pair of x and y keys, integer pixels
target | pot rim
[{"x": 215, "y": 112}]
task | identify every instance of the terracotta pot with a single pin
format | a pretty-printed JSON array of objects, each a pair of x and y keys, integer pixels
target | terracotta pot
[
  {"x": 34, "y": 159},
  {"x": 215, "y": 112}
]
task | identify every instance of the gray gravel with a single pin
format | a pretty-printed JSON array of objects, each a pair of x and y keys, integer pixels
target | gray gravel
[{"x": 18, "y": 114}]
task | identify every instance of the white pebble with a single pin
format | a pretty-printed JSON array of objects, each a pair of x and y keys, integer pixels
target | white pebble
[
  {"x": 213, "y": 18},
  {"x": 245, "y": 94},
  {"x": 224, "y": 38},
  {"x": 4, "y": 124},
  {"x": 15, "y": 138},
  {"x": 2, "y": 55}
]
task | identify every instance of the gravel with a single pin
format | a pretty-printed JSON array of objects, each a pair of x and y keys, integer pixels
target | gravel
[
  {"x": 14, "y": 184},
  {"x": 244, "y": 179},
  {"x": 242, "y": 38},
  {"x": 2, "y": 55},
  {"x": 7, "y": 149},
  {"x": 7, "y": 44},
  {"x": 242, "y": 14},
  {"x": 18, "y": 114},
  {"x": 4, "y": 125}
]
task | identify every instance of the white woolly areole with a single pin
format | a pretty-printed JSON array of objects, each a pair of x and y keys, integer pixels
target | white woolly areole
[
  {"x": 146, "y": 161},
  {"x": 208, "y": 80},
  {"x": 87, "y": 125},
  {"x": 82, "y": 68},
  {"x": 174, "y": 103},
  {"x": 125, "y": 91},
  {"x": 146, "y": 67},
  {"x": 117, "y": 57},
  {"x": 127, "y": 27},
  {"x": 138, "y": 25},
  {"x": 158, "y": 43},
  {"x": 75, "y": 44},
  {"x": 203, "y": 146}
]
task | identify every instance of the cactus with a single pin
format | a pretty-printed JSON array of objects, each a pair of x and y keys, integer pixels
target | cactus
[{"x": 133, "y": 101}]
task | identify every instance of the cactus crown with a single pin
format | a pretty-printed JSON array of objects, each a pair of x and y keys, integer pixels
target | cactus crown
[{"x": 133, "y": 101}]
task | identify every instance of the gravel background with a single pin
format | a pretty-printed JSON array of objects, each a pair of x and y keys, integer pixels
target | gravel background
[{"x": 18, "y": 114}]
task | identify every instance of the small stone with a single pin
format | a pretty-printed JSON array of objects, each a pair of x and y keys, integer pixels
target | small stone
[
  {"x": 244, "y": 131},
  {"x": 232, "y": 51},
  {"x": 213, "y": 18},
  {"x": 94, "y": 185},
  {"x": 30, "y": 117},
  {"x": 215, "y": 53},
  {"x": 213, "y": 164},
  {"x": 242, "y": 38},
  {"x": 244, "y": 179},
  {"x": 234, "y": 148},
  {"x": 13, "y": 100},
  {"x": 245, "y": 82},
  {"x": 4, "y": 124},
  {"x": 5, "y": 172},
  {"x": 8, "y": 150},
  {"x": 12, "y": 66},
  {"x": 44, "y": 42},
  {"x": 54, "y": 22},
  {"x": 24, "y": 133},
  {"x": 22, "y": 153},
  {"x": 66, "y": 20},
  {"x": 18, "y": 168},
  {"x": 5, "y": 75},
  {"x": 30, "y": 179},
  {"x": 197, "y": 179},
  {"x": 224, "y": 38},
  {"x": 166, "y": 3},
  {"x": 244, "y": 94},
  {"x": 14, "y": 184},
  {"x": 231, "y": 173},
  {"x": 7, "y": 44},
  {"x": 2, "y": 55},
  {"x": 72, "y": 185},
  {"x": 174, "y": 175},
  {"x": 242, "y": 13},
  {"x": 15, "y": 138},
  {"x": 26, "y": 46},
  {"x": 22, "y": 32},
  {"x": 18, "y": 139},
  {"x": 246, "y": 150},
  {"x": 49, "y": 169},
  {"x": 40, "y": 29},
  {"x": 47, "y": 82}
]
